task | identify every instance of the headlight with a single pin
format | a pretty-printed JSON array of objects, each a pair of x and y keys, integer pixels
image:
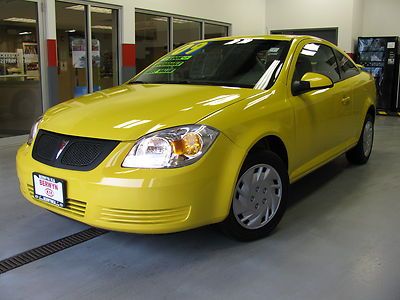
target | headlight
[
  {"x": 171, "y": 148},
  {"x": 34, "y": 131}
]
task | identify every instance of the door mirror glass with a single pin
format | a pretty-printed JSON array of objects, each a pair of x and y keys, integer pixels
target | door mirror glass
[{"x": 311, "y": 81}]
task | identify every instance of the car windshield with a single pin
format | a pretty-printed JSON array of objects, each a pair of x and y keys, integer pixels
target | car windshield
[{"x": 246, "y": 62}]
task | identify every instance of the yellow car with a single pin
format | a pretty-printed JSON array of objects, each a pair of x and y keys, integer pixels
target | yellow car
[{"x": 213, "y": 132}]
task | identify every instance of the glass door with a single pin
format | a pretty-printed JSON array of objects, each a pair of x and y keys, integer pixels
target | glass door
[
  {"x": 20, "y": 86},
  {"x": 86, "y": 31},
  {"x": 104, "y": 26},
  {"x": 71, "y": 49}
]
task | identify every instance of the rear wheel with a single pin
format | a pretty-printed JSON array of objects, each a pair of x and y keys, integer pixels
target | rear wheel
[
  {"x": 362, "y": 151},
  {"x": 259, "y": 199}
]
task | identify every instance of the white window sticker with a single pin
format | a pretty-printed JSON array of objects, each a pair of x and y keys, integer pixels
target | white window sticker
[{"x": 391, "y": 45}]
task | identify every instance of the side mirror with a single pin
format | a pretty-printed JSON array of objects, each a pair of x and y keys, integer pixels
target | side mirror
[{"x": 311, "y": 81}]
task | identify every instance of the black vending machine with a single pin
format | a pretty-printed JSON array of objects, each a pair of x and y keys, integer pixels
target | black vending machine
[{"x": 380, "y": 57}]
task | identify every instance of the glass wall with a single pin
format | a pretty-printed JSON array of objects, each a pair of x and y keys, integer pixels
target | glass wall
[
  {"x": 20, "y": 88},
  {"x": 185, "y": 31},
  {"x": 214, "y": 31},
  {"x": 72, "y": 21},
  {"x": 151, "y": 38},
  {"x": 156, "y": 34}
]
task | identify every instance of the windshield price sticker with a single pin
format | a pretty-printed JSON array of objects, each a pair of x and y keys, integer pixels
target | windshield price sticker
[
  {"x": 176, "y": 59},
  {"x": 189, "y": 48},
  {"x": 162, "y": 71},
  {"x": 169, "y": 64}
]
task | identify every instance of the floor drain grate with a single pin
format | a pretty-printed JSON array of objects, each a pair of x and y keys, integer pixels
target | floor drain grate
[{"x": 32, "y": 255}]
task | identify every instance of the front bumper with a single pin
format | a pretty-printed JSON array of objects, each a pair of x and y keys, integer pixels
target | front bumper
[{"x": 142, "y": 200}]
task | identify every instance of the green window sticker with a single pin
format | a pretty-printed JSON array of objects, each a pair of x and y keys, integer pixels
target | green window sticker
[
  {"x": 170, "y": 64},
  {"x": 162, "y": 71},
  {"x": 176, "y": 59}
]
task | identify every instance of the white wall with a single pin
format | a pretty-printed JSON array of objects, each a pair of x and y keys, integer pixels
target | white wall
[
  {"x": 301, "y": 14},
  {"x": 353, "y": 17},
  {"x": 381, "y": 18},
  {"x": 246, "y": 17},
  {"x": 358, "y": 19}
]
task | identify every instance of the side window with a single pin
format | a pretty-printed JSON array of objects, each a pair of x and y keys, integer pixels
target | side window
[
  {"x": 347, "y": 68},
  {"x": 316, "y": 58}
]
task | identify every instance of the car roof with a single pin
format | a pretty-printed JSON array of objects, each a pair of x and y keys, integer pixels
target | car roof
[
  {"x": 265, "y": 37},
  {"x": 279, "y": 37}
]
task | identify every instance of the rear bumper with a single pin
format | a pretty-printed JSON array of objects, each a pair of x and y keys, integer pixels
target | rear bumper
[{"x": 142, "y": 200}]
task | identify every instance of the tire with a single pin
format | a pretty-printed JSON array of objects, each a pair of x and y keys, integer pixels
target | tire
[
  {"x": 360, "y": 154},
  {"x": 258, "y": 204}
]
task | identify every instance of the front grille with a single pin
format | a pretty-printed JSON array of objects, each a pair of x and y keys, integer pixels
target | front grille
[
  {"x": 45, "y": 149},
  {"x": 127, "y": 216},
  {"x": 70, "y": 152},
  {"x": 81, "y": 154},
  {"x": 73, "y": 206}
]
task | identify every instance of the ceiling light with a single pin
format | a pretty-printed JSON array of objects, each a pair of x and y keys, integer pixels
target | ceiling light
[
  {"x": 162, "y": 19},
  {"x": 105, "y": 27},
  {"x": 94, "y": 9},
  {"x": 308, "y": 52},
  {"x": 101, "y": 10},
  {"x": 70, "y": 30},
  {"x": 25, "y": 33},
  {"x": 312, "y": 47},
  {"x": 180, "y": 21},
  {"x": 20, "y": 20}
]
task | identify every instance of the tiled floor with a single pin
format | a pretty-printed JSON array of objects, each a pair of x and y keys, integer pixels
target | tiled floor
[{"x": 338, "y": 240}]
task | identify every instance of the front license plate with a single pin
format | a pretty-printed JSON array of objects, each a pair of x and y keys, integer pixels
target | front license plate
[{"x": 49, "y": 189}]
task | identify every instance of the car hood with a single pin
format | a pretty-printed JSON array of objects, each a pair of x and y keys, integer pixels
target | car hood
[{"x": 128, "y": 112}]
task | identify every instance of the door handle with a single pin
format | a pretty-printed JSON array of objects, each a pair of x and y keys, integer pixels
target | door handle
[{"x": 346, "y": 100}]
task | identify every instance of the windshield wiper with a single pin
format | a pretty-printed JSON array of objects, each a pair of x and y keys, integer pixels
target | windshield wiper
[
  {"x": 173, "y": 82},
  {"x": 194, "y": 82},
  {"x": 137, "y": 82},
  {"x": 213, "y": 83},
  {"x": 221, "y": 83}
]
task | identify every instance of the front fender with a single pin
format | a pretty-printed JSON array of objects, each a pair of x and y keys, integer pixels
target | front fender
[{"x": 248, "y": 121}]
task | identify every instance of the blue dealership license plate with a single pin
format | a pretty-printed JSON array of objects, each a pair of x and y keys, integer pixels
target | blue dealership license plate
[{"x": 49, "y": 189}]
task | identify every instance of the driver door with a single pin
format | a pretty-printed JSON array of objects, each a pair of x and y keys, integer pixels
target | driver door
[{"x": 316, "y": 116}]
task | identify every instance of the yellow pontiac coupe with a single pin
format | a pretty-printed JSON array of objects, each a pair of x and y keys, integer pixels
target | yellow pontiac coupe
[{"x": 213, "y": 132}]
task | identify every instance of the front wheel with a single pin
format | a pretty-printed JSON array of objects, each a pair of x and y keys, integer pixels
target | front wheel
[
  {"x": 362, "y": 151},
  {"x": 259, "y": 199}
]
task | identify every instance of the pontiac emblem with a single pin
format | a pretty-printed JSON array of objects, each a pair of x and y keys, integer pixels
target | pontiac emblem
[{"x": 61, "y": 147}]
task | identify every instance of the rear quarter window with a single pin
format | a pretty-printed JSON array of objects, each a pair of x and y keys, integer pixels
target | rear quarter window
[{"x": 346, "y": 67}]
